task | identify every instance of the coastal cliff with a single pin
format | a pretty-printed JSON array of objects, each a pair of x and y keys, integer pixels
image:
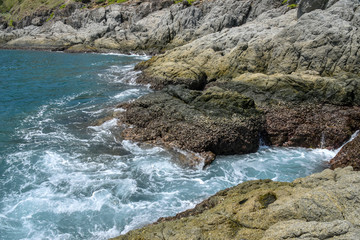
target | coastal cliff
[{"x": 229, "y": 74}]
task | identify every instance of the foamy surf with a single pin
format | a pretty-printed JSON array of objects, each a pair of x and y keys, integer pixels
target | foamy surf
[{"x": 61, "y": 177}]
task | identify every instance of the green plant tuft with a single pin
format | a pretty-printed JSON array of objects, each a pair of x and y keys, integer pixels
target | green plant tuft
[
  {"x": 189, "y": 1},
  {"x": 291, "y": 3},
  {"x": 51, "y": 17}
]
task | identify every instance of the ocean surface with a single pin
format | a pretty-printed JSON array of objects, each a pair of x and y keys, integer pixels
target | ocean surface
[{"x": 63, "y": 176}]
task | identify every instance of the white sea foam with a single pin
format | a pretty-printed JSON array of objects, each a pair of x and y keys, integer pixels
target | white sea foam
[
  {"x": 105, "y": 126},
  {"x": 135, "y": 149},
  {"x": 159, "y": 187},
  {"x": 134, "y": 93},
  {"x": 137, "y": 56},
  {"x": 353, "y": 136},
  {"x": 105, "y": 234},
  {"x": 119, "y": 110}
]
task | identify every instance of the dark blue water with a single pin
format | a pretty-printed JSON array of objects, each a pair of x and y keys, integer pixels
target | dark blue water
[{"x": 64, "y": 176}]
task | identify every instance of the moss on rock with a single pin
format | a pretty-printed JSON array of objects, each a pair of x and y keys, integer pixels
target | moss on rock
[{"x": 267, "y": 199}]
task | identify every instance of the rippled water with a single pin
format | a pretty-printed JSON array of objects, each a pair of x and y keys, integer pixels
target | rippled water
[{"x": 64, "y": 177}]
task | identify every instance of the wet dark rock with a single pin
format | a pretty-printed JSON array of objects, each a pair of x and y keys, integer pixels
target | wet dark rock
[
  {"x": 302, "y": 110},
  {"x": 297, "y": 110},
  {"x": 216, "y": 120},
  {"x": 311, "y": 126},
  {"x": 349, "y": 155}
]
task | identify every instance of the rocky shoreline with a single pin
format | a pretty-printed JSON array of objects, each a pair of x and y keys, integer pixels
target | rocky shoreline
[
  {"x": 321, "y": 206},
  {"x": 229, "y": 74}
]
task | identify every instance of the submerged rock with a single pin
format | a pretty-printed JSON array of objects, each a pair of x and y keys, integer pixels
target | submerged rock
[
  {"x": 349, "y": 155},
  {"x": 320, "y": 206}
]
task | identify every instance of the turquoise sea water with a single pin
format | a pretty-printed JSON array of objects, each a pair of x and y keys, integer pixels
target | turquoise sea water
[{"x": 63, "y": 177}]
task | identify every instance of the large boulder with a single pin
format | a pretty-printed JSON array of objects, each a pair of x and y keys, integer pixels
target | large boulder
[{"x": 321, "y": 206}]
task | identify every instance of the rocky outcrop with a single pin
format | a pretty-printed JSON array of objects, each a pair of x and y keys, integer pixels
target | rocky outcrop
[
  {"x": 230, "y": 116},
  {"x": 301, "y": 109},
  {"x": 213, "y": 121},
  {"x": 324, "y": 42},
  {"x": 320, "y": 206},
  {"x": 302, "y": 74},
  {"x": 349, "y": 155}
]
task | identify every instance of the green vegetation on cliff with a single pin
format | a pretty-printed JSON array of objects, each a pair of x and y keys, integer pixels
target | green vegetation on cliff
[
  {"x": 18, "y": 9},
  {"x": 180, "y": 1}
]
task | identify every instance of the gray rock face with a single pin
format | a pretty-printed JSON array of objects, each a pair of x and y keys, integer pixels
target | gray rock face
[
  {"x": 323, "y": 42},
  {"x": 150, "y": 26},
  {"x": 155, "y": 26},
  {"x": 307, "y": 6}
]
